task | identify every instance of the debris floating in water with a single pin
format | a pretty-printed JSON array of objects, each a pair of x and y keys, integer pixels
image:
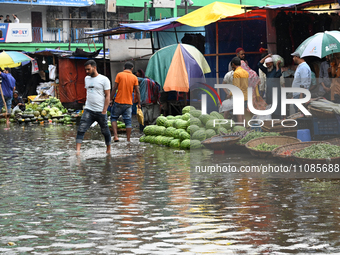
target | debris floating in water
[{"x": 179, "y": 152}]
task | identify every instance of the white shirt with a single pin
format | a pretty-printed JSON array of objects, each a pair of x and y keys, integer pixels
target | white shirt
[
  {"x": 302, "y": 77},
  {"x": 16, "y": 20},
  {"x": 95, "y": 92}
]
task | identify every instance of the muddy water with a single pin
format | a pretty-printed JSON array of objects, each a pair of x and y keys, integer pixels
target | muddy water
[{"x": 143, "y": 199}]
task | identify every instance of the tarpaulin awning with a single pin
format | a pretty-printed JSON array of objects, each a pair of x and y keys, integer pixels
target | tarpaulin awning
[
  {"x": 278, "y": 6},
  {"x": 73, "y": 3},
  {"x": 135, "y": 27},
  {"x": 211, "y": 13},
  {"x": 153, "y": 26}
]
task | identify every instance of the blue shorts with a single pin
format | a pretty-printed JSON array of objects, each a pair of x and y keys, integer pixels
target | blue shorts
[{"x": 122, "y": 109}]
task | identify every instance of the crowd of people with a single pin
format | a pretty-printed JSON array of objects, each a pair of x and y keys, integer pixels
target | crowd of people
[
  {"x": 8, "y": 20},
  {"x": 322, "y": 79}
]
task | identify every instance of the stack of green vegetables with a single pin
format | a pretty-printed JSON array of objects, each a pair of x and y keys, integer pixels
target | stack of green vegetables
[
  {"x": 186, "y": 131},
  {"x": 319, "y": 151},
  {"x": 265, "y": 147},
  {"x": 50, "y": 110},
  {"x": 253, "y": 135}
]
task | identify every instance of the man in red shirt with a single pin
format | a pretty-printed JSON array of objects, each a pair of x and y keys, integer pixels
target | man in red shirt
[{"x": 126, "y": 83}]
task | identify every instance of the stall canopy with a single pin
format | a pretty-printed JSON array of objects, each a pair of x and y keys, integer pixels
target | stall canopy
[
  {"x": 135, "y": 27},
  {"x": 210, "y": 14}
]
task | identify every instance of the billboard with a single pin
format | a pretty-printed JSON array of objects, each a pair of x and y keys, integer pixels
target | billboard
[
  {"x": 164, "y": 3},
  {"x": 75, "y": 3},
  {"x": 15, "y": 32}
]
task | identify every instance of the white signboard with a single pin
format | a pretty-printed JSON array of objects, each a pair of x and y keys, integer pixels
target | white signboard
[
  {"x": 17, "y": 32},
  {"x": 164, "y": 3},
  {"x": 111, "y": 5}
]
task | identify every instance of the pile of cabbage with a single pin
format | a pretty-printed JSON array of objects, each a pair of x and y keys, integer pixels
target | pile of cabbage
[{"x": 188, "y": 130}]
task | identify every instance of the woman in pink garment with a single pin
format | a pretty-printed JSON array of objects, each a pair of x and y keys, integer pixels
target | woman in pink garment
[{"x": 253, "y": 82}]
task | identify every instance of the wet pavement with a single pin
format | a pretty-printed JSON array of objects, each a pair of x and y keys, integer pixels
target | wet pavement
[{"x": 144, "y": 199}]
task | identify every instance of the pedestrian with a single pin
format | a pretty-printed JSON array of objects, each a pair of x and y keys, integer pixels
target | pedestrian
[
  {"x": 97, "y": 101},
  {"x": 8, "y": 87},
  {"x": 335, "y": 74},
  {"x": 302, "y": 76},
  {"x": 241, "y": 54},
  {"x": 254, "y": 82},
  {"x": 227, "y": 104},
  {"x": 240, "y": 80},
  {"x": 16, "y": 20},
  {"x": 324, "y": 77},
  {"x": 273, "y": 75},
  {"x": 126, "y": 83},
  {"x": 7, "y": 20},
  {"x": 140, "y": 73},
  {"x": 262, "y": 75}
]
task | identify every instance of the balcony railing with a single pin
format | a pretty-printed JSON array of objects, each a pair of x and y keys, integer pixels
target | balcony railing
[{"x": 75, "y": 35}]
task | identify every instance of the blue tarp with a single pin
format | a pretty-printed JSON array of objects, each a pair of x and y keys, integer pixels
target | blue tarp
[
  {"x": 150, "y": 25},
  {"x": 278, "y": 6},
  {"x": 75, "y": 3},
  {"x": 158, "y": 25}
]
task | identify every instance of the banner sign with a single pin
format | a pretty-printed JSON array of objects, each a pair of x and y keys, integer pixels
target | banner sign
[
  {"x": 15, "y": 32},
  {"x": 75, "y": 3}
]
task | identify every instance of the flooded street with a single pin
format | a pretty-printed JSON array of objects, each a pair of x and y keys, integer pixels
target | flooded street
[{"x": 143, "y": 199}]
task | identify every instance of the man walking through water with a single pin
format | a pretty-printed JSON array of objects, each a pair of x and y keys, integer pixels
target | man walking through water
[
  {"x": 8, "y": 87},
  {"x": 97, "y": 101},
  {"x": 126, "y": 82}
]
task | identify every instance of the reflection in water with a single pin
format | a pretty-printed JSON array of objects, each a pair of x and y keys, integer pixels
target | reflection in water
[{"x": 143, "y": 199}]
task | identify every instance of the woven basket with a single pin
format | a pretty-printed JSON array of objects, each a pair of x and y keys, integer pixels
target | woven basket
[
  {"x": 294, "y": 147},
  {"x": 296, "y": 116},
  {"x": 308, "y": 161},
  {"x": 288, "y": 131},
  {"x": 220, "y": 143},
  {"x": 278, "y": 140},
  {"x": 335, "y": 141},
  {"x": 321, "y": 114}
]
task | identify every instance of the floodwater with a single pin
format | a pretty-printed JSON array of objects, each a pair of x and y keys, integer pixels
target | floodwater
[{"x": 144, "y": 199}]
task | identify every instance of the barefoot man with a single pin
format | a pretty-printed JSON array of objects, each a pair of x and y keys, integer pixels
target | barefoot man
[
  {"x": 126, "y": 82},
  {"x": 97, "y": 101}
]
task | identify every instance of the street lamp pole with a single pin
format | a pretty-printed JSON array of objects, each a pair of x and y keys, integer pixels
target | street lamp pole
[{"x": 105, "y": 27}]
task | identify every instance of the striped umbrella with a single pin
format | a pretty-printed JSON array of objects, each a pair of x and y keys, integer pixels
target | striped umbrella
[
  {"x": 12, "y": 59},
  {"x": 320, "y": 45}
]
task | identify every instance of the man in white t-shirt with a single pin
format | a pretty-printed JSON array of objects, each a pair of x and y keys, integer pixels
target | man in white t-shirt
[
  {"x": 97, "y": 101},
  {"x": 16, "y": 20}
]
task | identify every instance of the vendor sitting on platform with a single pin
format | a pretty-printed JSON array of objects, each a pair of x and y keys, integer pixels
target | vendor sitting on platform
[{"x": 17, "y": 101}]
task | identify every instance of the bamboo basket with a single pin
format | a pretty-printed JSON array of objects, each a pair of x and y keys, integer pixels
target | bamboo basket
[
  {"x": 292, "y": 131},
  {"x": 294, "y": 147},
  {"x": 220, "y": 143},
  {"x": 335, "y": 141},
  {"x": 296, "y": 116},
  {"x": 321, "y": 114},
  {"x": 271, "y": 140},
  {"x": 309, "y": 161}
]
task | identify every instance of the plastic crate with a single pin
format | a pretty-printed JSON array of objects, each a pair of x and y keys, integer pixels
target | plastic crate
[
  {"x": 305, "y": 123},
  {"x": 326, "y": 126}
]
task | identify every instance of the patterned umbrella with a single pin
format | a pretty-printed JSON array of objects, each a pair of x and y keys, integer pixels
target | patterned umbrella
[
  {"x": 177, "y": 66},
  {"x": 12, "y": 59},
  {"x": 320, "y": 45}
]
